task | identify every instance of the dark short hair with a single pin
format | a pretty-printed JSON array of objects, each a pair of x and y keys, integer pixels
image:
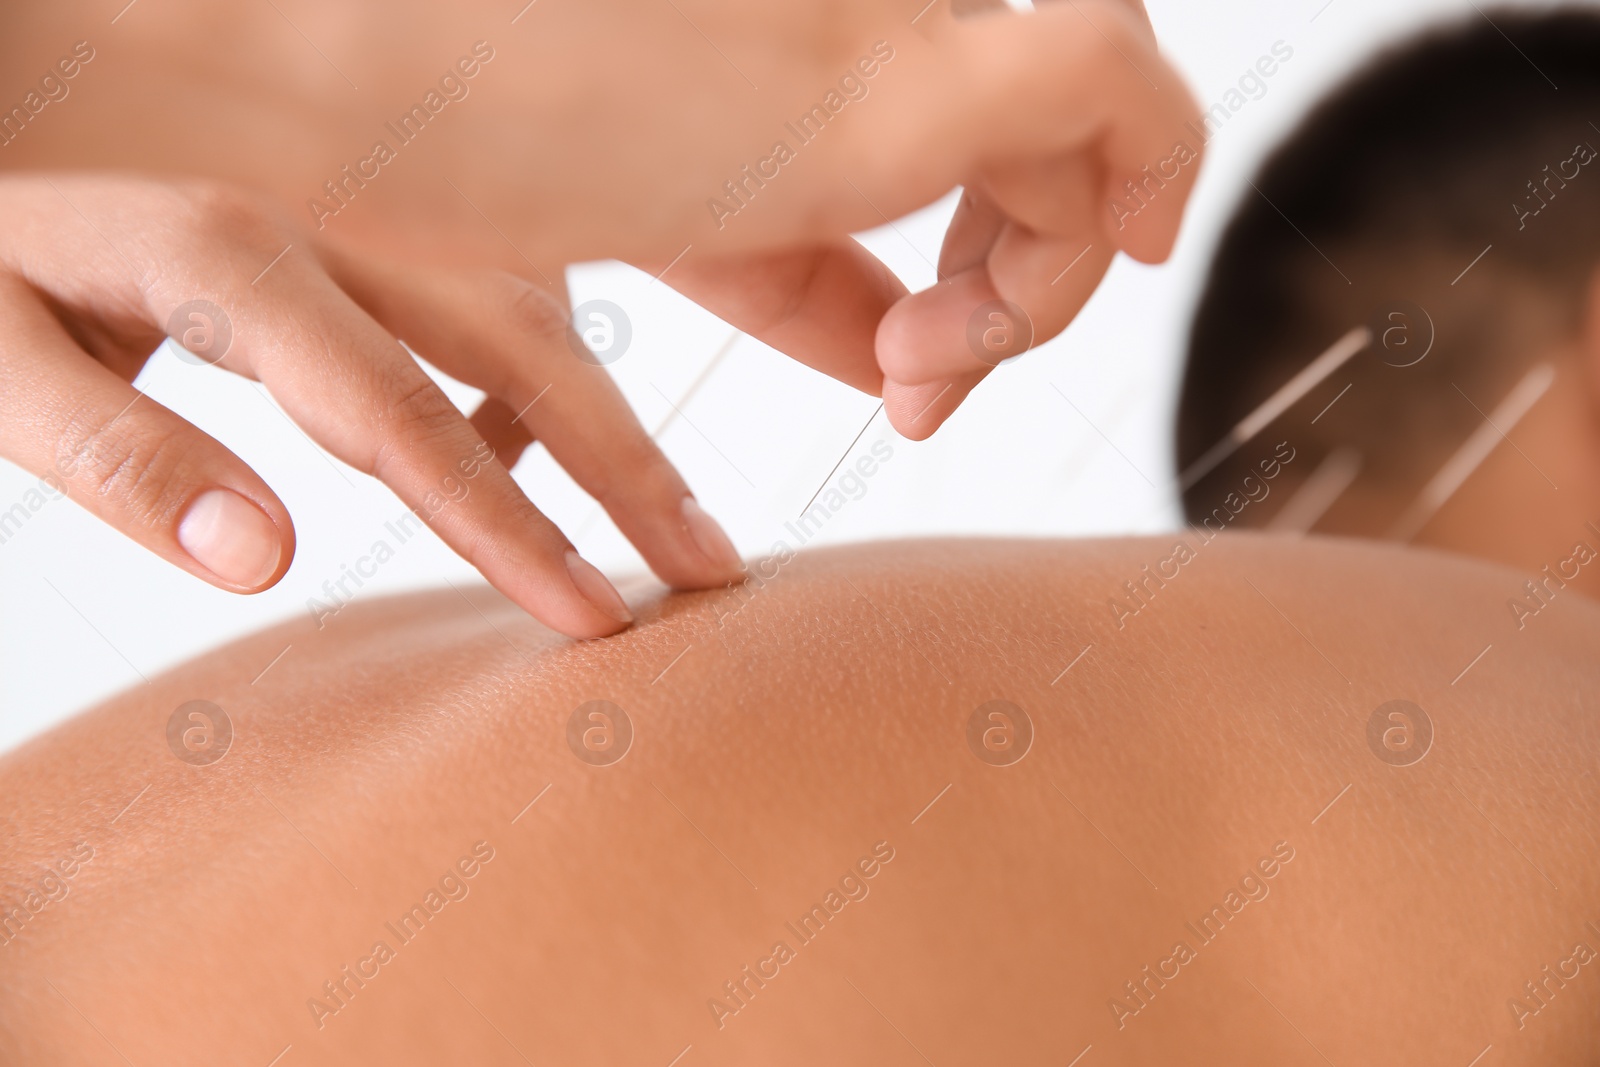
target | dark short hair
[{"x": 1387, "y": 190}]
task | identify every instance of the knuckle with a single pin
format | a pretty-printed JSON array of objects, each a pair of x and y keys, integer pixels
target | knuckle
[
  {"x": 131, "y": 467},
  {"x": 215, "y": 238},
  {"x": 419, "y": 415},
  {"x": 533, "y": 312},
  {"x": 633, "y": 465},
  {"x": 216, "y": 208}
]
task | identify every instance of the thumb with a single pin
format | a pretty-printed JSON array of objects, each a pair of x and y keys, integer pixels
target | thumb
[{"x": 132, "y": 462}]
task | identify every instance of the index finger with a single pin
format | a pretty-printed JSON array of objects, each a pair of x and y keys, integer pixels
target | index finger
[{"x": 360, "y": 395}]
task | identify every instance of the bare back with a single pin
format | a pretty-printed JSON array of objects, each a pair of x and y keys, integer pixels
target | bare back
[{"x": 931, "y": 802}]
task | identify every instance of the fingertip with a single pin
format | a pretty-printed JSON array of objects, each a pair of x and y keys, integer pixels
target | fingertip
[
  {"x": 912, "y": 428},
  {"x": 1150, "y": 233},
  {"x": 601, "y": 595},
  {"x": 235, "y": 540},
  {"x": 916, "y": 432},
  {"x": 723, "y": 562},
  {"x": 917, "y": 412},
  {"x": 1147, "y": 240},
  {"x": 934, "y": 334}
]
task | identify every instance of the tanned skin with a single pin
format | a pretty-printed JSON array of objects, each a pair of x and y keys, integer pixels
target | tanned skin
[{"x": 795, "y": 735}]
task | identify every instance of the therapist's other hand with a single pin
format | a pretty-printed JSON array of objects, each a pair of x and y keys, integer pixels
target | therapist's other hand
[
  {"x": 1076, "y": 142},
  {"x": 96, "y": 270},
  {"x": 529, "y": 136}
]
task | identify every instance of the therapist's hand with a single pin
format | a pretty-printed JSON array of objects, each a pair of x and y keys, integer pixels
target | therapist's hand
[
  {"x": 618, "y": 128},
  {"x": 1064, "y": 106},
  {"x": 95, "y": 270}
]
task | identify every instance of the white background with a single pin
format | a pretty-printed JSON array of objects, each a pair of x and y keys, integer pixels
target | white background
[{"x": 86, "y": 613}]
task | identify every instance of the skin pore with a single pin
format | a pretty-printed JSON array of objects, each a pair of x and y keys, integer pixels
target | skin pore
[{"x": 813, "y": 733}]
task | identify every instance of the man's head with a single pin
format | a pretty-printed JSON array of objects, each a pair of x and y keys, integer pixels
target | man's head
[{"x": 1447, "y": 198}]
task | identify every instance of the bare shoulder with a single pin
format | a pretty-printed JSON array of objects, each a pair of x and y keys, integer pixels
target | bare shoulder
[
  {"x": 1071, "y": 750},
  {"x": 915, "y": 634}
]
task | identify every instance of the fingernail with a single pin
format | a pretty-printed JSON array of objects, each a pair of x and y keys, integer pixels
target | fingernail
[
  {"x": 231, "y": 537},
  {"x": 596, "y": 589},
  {"x": 709, "y": 537}
]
